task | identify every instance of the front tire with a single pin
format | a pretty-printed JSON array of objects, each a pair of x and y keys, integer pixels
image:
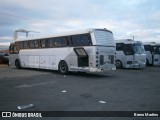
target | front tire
[
  {"x": 63, "y": 67},
  {"x": 18, "y": 64},
  {"x": 118, "y": 64}
]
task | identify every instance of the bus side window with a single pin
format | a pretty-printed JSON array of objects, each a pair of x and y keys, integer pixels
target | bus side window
[
  {"x": 65, "y": 41},
  {"x": 16, "y": 49},
  {"x": 76, "y": 40},
  {"x": 85, "y": 39},
  {"x": 36, "y": 45},
  {"x": 11, "y": 49},
  {"x": 57, "y": 42},
  {"x": 21, "y": 45},
  {"x": 31, "y": 44},
  {"x": 128, "y": 49},
  {"x": 50, "y": 42},
  {"x": 25, "y": 44},
  {"x": 43, "y": 43},
  {"x": 148, "y": 48},
  {"x": 119, "y": 46}
]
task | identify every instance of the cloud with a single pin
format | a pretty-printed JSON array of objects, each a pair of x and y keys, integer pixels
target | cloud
[
  {"x": 5, "y": 40},
  {"x": 138, "y": 17}
]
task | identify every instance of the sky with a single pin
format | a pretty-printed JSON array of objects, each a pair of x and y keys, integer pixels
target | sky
[{"x": 125, "y": 18}]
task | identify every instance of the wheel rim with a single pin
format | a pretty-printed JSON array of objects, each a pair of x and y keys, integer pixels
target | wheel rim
[
  {"x": 63, "y": 67},
  {"x": 118, "y": 64},
  {"x": 17, "y": 64}
]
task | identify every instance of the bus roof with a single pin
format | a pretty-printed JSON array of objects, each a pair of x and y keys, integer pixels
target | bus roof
[
  {"x": 127, "y": 41},
  {"x": 150, "y": 43},
  {"x": 68, "y": 33}
]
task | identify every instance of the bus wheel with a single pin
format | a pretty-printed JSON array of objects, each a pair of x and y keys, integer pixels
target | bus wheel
[
  {"x": 63, "y": 67},
  {"x": 17, "y": 64},
  {"x": 118, "y": 64}
]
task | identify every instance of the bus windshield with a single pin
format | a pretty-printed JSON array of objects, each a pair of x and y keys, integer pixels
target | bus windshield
[
  {"x": 128, "y": 49},
  {"x": 156, "y": 49},
  {"x": 138, "y": 48}
]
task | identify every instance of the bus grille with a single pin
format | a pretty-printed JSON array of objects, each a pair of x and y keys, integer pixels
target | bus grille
[{"x": 111, "y": 58}]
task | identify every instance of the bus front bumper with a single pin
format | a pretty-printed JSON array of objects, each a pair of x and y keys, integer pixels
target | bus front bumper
[
  {"x": 136, "y": 65},
  {"x": 103, "y": 68}
]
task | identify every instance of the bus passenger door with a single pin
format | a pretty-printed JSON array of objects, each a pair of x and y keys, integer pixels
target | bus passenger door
[
  {"x": 82, "y": 57},
  {"x": 155, "y": 59}
]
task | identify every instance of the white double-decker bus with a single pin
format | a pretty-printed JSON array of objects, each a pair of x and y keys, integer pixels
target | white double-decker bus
[
  {"x": 153, "y": 53},
  {"x": 89, "y": 50},
  {"x": 130, "y": 54}
]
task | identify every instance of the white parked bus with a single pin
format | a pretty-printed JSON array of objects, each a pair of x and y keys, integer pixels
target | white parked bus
[
  {"x": 153, "y": 53},
  {"x": 130, "y": 54},
  {"x": 90, "y": 50}
]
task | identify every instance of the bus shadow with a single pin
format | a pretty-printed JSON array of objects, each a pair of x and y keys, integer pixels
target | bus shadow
[
  {"x": 90, "y": 75},
  {"x": 79, "y": 74},
  {"x": 131, "y": 68}
]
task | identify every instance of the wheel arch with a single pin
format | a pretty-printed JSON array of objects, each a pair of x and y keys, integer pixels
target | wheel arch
[{"x": 120, "y": 62}]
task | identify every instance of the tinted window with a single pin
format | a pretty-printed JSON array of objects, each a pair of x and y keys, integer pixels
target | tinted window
[
  {"x": 25, "y": 44},
  {"x": 65, "y": 41},
  {"x": 31, "y": 44},
  {"x": 36, "y": 45},
  {"x": 21, "y": 45},
  {"x": 50, "y": 43},
  {"x": 43, "y": 43},
  {"x": 147, "y": 47},
  {"x": 57, "y": 42},
  {"x": 76, "y": 40},
  {"x": 11, "y": 49},
  {"x": 85, "y": 39},
  {"x": 119, "y": 46},
  {"x": 14, "y": 48},
  {"x": 155, "y": 49},
  {"x": 128, "y": 49}
]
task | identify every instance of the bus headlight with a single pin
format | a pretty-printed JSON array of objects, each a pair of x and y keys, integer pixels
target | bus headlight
[{"x": 136, "y": 61}]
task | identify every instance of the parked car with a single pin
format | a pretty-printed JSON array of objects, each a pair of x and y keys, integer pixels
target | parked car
[{"x": 4, "y": 58}]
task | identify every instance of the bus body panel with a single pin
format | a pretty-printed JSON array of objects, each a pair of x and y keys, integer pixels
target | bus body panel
[
  {"x": 156, "y": 60},
  {"x": 132, "y": 57},
  {"x": 47, "y": 59},
  {"x": 152, "y": 53},
  {"x": 98, "y": 57},
  {"x": 139, "y": 61}
]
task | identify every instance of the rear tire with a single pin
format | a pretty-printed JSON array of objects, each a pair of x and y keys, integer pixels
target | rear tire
[
  {"x": 18, "y": 64},
  {"x": 63, "y": 67},
  {"x": 118, "y": 64}
]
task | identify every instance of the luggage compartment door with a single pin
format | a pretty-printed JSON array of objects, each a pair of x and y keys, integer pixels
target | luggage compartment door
[{"x": 82, "y": 57}]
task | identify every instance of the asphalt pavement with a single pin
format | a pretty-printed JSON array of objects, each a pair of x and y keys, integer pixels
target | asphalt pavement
[{"x": 120, "y": 90}]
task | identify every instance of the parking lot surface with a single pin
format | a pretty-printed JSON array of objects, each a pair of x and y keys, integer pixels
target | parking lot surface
[{"x": 120, "y": 90}]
